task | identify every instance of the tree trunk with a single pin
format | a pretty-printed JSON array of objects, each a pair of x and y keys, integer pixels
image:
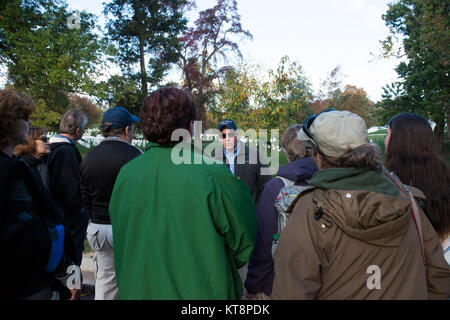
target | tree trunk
[{"x": 143, "y": 69}]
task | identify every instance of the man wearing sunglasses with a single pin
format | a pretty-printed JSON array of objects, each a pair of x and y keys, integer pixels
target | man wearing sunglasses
[{"x": 236, "y": 155}]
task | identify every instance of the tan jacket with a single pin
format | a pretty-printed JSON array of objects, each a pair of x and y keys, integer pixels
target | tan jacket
[{"x": 364, "y": 245}]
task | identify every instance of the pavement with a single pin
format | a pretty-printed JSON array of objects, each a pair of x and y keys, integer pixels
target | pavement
[{"x": 87, "y": 270}]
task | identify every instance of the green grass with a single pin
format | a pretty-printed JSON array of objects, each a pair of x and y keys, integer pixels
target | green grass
[{"x": 375, "y": 137}]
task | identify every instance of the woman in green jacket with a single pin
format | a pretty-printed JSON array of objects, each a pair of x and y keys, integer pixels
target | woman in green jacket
[{"x": 181, "y": 230}]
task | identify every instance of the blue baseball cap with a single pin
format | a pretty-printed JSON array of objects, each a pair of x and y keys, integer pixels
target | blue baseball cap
[
  {"x": 119, "y": 117},
  {"x": 227, "y": 123}
]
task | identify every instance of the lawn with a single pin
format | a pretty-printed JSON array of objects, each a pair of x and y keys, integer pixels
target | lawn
[{"x": 375, "y": 137}]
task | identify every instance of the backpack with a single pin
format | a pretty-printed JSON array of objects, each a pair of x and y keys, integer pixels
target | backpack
[{"x": 287, "y": 194}]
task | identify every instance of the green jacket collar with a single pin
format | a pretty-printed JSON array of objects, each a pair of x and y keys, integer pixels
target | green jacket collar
[{"x": 353, "y": 179}]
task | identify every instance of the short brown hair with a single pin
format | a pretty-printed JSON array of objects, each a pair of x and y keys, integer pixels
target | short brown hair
[
  {"x": 366, "y": 156},
  {"x": 292, "y": 146},
  {"x": 29, "y": 147},
  {"x": 13, "y": 105},
  {"x": 106, "y": 130},
  {"x": 164, "y": 111}
]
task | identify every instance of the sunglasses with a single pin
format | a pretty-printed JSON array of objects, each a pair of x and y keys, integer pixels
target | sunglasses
[
  {"x": 43, "y": 139},
  {"x": 230, "y": 135},
  {"x": 309, "y": 121}
]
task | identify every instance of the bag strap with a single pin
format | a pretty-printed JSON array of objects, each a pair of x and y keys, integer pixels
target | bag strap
[
  {"x": 414, "y": 209},
  {"x": 286, "y": 181}
]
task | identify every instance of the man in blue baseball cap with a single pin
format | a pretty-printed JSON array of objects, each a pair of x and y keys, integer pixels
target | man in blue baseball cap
[
  {"x": 236, "y": 155},
  {"x": 99, "y": 171}
]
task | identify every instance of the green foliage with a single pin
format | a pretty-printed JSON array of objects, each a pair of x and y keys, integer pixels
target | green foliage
[
  {"x": 44, "y": 58},
  {"x": 275, "y": 102},
  {"x": 122, "y": 91},
  {"x": 350, "y": 98},
  {"x": 45, "y": 117},
  {"x": 422, "y": 26},
  {"x": 146, "y": 27}
]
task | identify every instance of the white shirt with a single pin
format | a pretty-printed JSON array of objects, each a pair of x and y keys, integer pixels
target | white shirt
[{"x": 232, "y": 156}]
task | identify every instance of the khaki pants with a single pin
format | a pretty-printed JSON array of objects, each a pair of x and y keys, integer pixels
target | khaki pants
[{"x": 100, "y": 239}]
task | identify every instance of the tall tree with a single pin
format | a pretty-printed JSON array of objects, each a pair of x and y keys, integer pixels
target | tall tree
[
  {"x": 42, "y": 54},
  {"x": 333, "y": 94},
  {"x": 203, "y": 57},
  {"x": 146, "y": 33},
  {"x": 422, "y": 27},
  {"x": 44, "y": 57}
]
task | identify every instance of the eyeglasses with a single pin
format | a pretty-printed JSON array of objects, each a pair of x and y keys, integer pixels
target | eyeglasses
[
  {"x": 43, "y": 139},
  {"x": 230, "y": 135},
  {"x": 309, "y": 121}
]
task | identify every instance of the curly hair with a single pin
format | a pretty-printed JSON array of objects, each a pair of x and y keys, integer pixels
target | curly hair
[
  {"x": 29, "y": 147},
  {"x": 293, "y": 147},
  {"x": 13, "y": 105},
  {"x": 164, "y": 111},
  {"x": 411, "y": 154},
  {"x": 367, "y": 155}
]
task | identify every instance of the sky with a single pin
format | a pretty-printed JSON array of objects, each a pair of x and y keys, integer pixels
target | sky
[{"x": 317, "y": 34}]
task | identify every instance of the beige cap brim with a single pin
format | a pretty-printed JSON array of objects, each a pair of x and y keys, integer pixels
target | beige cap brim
[{"x": 302, "y": 136}]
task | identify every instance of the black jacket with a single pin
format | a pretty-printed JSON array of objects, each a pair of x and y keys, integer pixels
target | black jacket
[
  {"x": 64, "y": 171},
  {"x": 27, "y": 212},
  {"x": 248, "y": 172},
  {"x": 99, "y": 171}
]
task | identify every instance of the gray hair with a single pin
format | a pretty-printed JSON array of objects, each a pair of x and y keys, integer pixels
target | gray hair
[{"x": 72, "y": 120}]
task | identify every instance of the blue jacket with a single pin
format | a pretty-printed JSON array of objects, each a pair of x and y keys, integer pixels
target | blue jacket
[{"x": 260, "y": 269}]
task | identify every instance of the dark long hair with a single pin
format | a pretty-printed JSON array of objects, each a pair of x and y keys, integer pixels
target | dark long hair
[{"x": 411, "y": 154}]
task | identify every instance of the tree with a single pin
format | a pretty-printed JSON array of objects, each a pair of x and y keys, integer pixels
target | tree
[
  {"x": 205, "y": 46},
  {"x": 333, "y": 94},
  {"x": 274, "y": 103},
  {"x": 92, "y": 111},
  {"x": 122, "y": 91},
  {"x": 44, "y": 58},
  {"x": 422, "y": 26},
  {"x": 140, "y": 28}
]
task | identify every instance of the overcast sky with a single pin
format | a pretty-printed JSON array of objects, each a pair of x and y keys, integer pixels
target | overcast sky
[{"x": 317, "y": 34}]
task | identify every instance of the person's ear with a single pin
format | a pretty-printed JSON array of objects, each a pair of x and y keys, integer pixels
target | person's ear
[{"x": 317, "y": 160}]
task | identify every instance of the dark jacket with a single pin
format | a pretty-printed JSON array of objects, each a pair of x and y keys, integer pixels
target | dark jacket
[
  {"x": 260, "y": 270},
  {"x": 63, "y": 166},
  {"x": 99, "y": 170},
  {"x": 249, "y": 173},
  {"x": 27, "y": 212},
  {"x": 354, "y": 237}
]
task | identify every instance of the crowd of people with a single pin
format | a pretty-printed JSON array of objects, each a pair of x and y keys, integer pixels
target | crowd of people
[{"x": 334, "y": 223}]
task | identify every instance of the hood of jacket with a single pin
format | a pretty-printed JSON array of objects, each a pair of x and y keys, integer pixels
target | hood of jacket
[
  {"x": 298, "y": 170},
  {"x": 365, "y": 204}
]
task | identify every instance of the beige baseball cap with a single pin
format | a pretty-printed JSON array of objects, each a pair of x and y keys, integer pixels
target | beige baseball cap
[{"x": 334, "y": 131}]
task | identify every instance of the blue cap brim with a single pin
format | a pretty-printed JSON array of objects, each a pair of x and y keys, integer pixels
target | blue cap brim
[{"x": 134, "y": 118}]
